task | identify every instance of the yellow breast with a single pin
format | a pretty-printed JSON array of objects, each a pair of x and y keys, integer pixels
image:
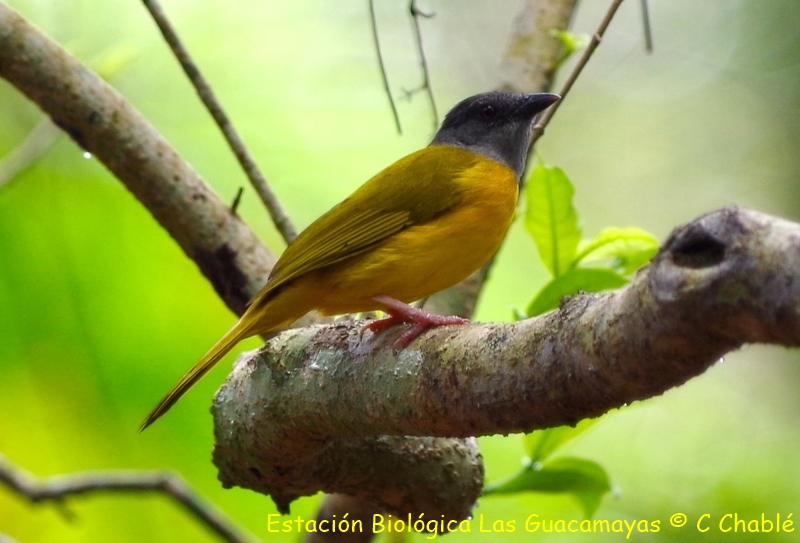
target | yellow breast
[{"x": 426, "y": 258}]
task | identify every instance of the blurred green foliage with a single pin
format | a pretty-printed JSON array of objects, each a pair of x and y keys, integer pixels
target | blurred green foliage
[
  {"x": 583, "y": 479},
  {"x": 100, "y": 311}
]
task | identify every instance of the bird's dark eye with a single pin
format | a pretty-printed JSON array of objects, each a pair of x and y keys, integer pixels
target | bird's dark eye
[{"x": 488, "y": 113}]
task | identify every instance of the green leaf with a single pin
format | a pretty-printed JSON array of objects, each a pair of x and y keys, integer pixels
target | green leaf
[
  {"x": 550, "y": 217},
  {"x": 576, "y": 279},
  {"x": 584, "y": 479},
  {"x": 542, "y": 443},
  {"x": 624, "y": 249},
  {"x": 571, "y": 42}
]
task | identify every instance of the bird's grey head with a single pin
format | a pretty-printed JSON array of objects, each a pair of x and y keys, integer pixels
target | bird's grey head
[{"x": 495, "y": 124}]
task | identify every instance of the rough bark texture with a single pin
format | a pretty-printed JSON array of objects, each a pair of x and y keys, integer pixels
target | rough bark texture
[
  {"x": 99, "y": 119},
  {"x": 288, "y": 422}
]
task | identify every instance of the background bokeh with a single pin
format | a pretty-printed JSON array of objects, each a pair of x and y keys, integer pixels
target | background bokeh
[{"x": 100, "y": 311}]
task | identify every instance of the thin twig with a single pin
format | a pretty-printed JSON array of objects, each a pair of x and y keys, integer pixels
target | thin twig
[
  {"x": 648, "y": 31},
  {"x": 38, "y": 141},
  {"x": 423, "y": 60},
  {"x": 279, "y": 216},
  {"x": 382, "y": 67},
  {"x": 538, "y": 128},
  {"x": 59, "y": 487},
  {"x": 237, "y": 200}
]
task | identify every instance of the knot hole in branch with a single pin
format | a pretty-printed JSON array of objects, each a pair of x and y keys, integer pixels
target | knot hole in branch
[{"x": 698, "y": 250}]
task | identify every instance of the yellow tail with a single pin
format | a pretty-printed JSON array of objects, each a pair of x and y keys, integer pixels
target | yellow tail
[{"x": 240, "y": 330}]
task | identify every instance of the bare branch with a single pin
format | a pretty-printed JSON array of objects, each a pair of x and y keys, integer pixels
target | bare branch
[
  {"x": 279, "y": 216},
  {"x": 538, "y": 129},
  {"x": 58, "y": 488},
  {"x": 384, "y": 77},
  {"x": 646, "y": 27},
  {"x": 103, "y": 123},
  {"x": 416, "y": 13},
  {"x": 288, "y": 424},
  {"x": 237, "y": 199}
]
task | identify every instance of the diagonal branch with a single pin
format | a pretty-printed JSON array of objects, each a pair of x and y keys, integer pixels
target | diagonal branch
[
  {"x": 373, "y": 21},
  {"x": 279, "y": 216},
  {"x": 597, "y": 37},
  {"x": 103, "y": 123},
  {"x": 58, "y": 488},
  {"x": 286, "y": 419},
  {"x": 416, "y": 13}
]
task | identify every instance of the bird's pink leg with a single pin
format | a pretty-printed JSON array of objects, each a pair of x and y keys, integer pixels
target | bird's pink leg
[{"x": 402, "y": 313}]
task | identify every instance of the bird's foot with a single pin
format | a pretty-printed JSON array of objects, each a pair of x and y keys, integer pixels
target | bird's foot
[{"x": 402, "y": 313}]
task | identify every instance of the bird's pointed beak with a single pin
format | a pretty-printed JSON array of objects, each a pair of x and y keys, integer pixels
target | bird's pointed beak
[{"x": 537, "y": 102}]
